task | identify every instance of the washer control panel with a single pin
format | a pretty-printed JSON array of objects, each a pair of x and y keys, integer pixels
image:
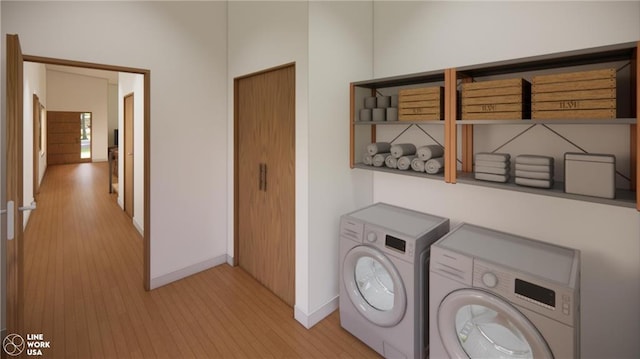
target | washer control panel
[{"x": 544, "y": 297}]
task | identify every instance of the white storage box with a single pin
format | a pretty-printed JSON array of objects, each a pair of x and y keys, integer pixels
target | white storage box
[{"x": 590, "y": 174}]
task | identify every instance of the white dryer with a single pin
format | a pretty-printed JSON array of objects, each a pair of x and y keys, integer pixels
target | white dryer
[
  {"x": 497, "y": 295},
  {"x": 384, "y": 253}
]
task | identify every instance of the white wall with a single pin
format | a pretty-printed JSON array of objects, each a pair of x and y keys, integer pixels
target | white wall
[
  {"x": 422, "y": 36},
  {"x": 262, "y": 35},
  {"x": 35, "y": 82},
  {"x": 183, "y": 44},
  {"x": 79, "y": 93},
  {"x": 132, "y": 84},
  {"x": 340, "y": 51}
]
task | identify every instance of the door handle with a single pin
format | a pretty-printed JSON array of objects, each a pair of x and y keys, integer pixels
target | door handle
[
  {"x": 10, "y": 212},
  {"x": 260, "y": 176},
  {"x": 31, "y": 207},
  {"x": 262, "y": 182}
]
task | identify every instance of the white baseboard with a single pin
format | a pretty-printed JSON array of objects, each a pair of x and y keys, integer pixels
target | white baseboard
[
  {"x": 314, "y": 318},
  {"x": 229, "y": 260},
  {"x": 138, "y": 226},
  {"x": 185, "y": 272}
]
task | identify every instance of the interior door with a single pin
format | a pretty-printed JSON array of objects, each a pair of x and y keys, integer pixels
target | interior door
[
  {"x": 265, "y": 178},
  {"x": 128, "y": 155},
  {"x": 14, "y": 185},
  {"x": 64, "y": 130},
  {"x": 478, "y": 324}
]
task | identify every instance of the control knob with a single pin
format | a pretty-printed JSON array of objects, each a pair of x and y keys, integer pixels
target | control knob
[
  {"x": 489, "y": 279},
  {"x": 372, "y": 237}
]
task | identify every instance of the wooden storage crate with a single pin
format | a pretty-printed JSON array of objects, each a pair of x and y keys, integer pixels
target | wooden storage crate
[
  {"x": 421, "y": 104},
  {"x": 496, "y": 100},
  {"x": 575, "y": 95}
]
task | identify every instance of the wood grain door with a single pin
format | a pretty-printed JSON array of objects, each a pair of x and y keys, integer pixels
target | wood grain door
[
  {"x": 14, "y": 248},
  {"x": 128, "y": 155},
  {"x": 265, "y": 178},
  {"x": 63, "y": 138}
]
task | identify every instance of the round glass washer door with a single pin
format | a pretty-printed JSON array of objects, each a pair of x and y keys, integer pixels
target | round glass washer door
[
  {"x": 374, "y": 286},
  {"x": 478, "y": 324}
]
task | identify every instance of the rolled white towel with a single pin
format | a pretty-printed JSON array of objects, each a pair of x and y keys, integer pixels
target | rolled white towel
[
  {"x": 417, "y": 165},
  {"x": 428, "y": 152},
  {"x": 378, "y": 159},
  {"x": 391, "y": 162},
  {"x": 367, "y": 160},
  {"x": 404, "y": 162},
  {"x": 434, "y": 165},
  {"x": 378, "y": 147},
  {"x": 403, "y": 149}
]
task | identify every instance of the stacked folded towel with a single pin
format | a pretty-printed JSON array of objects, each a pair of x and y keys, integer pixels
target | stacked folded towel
[
  {"x": 494, "y": 167},
  {"x": 534, "y": 171}
]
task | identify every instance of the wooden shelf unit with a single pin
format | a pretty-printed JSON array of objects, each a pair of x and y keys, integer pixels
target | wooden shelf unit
[{"x": 452, "y": 77}]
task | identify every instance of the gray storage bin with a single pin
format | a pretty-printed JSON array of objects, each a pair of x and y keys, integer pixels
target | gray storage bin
[{"x": 590, "y": 174}]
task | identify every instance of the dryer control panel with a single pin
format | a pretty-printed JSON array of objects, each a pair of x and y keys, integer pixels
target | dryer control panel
[{"x": 544, "y": 297}]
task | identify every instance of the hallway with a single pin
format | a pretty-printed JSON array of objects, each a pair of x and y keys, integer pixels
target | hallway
[{"x": 83, "y": 290}]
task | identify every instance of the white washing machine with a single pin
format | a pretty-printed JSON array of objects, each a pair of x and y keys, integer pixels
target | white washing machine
[
  {"x": 497, "y": 295},
  {"x": 384, "y": 252}
]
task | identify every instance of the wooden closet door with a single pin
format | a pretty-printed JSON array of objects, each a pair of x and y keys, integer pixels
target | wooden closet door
[{"x": 266, "y": 179}]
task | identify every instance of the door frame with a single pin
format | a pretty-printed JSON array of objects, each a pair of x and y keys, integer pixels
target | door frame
[
  {"x": 146, "y": 146},
  {"x": 125, "y": 156}
]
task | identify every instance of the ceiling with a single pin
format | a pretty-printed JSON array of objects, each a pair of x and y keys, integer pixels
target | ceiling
[{"x": 110, "y": 76}]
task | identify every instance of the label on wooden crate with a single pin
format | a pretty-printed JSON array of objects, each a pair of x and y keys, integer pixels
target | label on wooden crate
[
  {"x": 574, "y": 105},
  {"x": 512, "y": 115},
  {"x": 487, "y": 100},
  {"x": 494, "y": 107}
]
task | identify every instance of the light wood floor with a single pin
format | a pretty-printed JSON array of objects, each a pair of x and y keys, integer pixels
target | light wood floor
[{"x": 83, "y": 289}]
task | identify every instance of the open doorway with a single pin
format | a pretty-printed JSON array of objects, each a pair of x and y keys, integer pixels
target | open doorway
[{"x": 96, "y": 138}]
